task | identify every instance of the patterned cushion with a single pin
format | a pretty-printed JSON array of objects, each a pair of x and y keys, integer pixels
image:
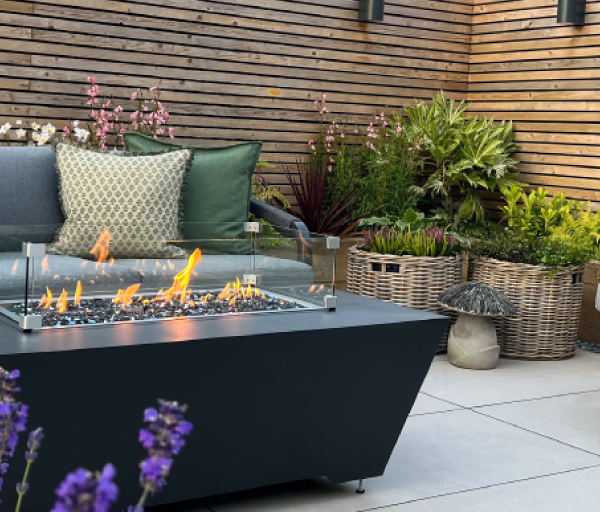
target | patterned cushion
[{"x": 138, "y": 199}]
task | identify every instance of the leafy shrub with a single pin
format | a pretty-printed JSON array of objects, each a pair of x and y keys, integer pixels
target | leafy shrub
[
  {"x": 318, "y": 207},
  {"x": 264, "y": 192},
  {"x": 378, "y": 161},
  {"x": 432, "y": 241},
  {"x": 460, "y": 152},
  {"x": 545, "y": 251}
]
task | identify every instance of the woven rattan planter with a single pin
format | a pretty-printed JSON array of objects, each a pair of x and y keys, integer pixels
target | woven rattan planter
[
  {"x": 548, "y": 310},
  {"x": 412, "y": 281}
]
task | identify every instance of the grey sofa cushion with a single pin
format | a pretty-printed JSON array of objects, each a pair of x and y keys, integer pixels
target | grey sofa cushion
[
  {"x": 62, "y": 272},
  {"x": 216, "y": 270},
  {"x": 28, "y": 187},
  {"x": 212, "y": 273}
]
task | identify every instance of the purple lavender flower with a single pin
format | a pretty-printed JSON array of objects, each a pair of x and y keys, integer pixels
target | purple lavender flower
[
  {"x": 33, "y": 443},
  {"x": 163, "y": 438},
  {"x": 8, "y": 383},
  {"x": 84, "y": 491}
]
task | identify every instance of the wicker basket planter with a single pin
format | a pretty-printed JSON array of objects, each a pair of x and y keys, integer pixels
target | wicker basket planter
[
  {"x": 548, "y": 310},
  {"x": 412, "y": 281}
]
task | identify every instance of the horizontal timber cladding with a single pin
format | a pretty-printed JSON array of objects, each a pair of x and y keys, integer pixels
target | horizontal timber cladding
[
  {"x": 545, "y": 77},
  {"x": 232, "y": 70}
]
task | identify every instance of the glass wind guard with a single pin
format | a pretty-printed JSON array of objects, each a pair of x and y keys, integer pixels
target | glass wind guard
[{"x": 110, "y": 274}]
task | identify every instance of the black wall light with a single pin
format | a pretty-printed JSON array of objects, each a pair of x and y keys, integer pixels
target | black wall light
[
  {"x": 371, "y": 10},
  {"x": 571, "y": 11}
]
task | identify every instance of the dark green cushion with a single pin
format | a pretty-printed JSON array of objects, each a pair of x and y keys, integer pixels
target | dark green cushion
[{"x": 218, "y": 189}]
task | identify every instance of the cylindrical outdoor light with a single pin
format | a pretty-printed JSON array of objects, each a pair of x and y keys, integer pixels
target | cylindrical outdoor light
[
  {"x": 371, "y": 10},
  {"x": 571, "y": 12}
]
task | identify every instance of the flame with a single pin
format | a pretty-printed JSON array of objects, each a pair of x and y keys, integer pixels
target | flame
[
  {"x": 256, "y": 292},
  {"x": 48, "y": 302},
  {"x": 312, "y": 288},
  {"x": 124, "y": 297},
  {"x": 15, "y": 267},
  {"x": 182, "y": 279},
  {"x": 45, "y": 264},
  {"x": 111, "y": 262},
  {"x": 101, "y": 249},
  {"x": 171, "y": 265},
  {"x": 226, "y": 293},
  {"x": 232, "y": 301},
  {"x": 77, "y": 301},
  {"x": 203, "y": 299},
  {"x": 61, "y": 304},
  {"x": 321, "y": 288}
]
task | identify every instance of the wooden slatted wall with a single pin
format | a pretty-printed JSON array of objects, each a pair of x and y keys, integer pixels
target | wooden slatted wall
[
  {"x": 231, "y": 70},
  {"x": 544, "y": 76}
]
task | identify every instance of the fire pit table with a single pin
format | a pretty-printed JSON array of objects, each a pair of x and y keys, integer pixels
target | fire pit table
[{"x": 275, "y": 395}]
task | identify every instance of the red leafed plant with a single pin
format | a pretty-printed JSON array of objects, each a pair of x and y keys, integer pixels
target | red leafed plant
[{"x": 321, "y": 212}]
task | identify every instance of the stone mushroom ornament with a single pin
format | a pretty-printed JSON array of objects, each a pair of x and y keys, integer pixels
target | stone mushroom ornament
[{"x": 472, "y": 342}]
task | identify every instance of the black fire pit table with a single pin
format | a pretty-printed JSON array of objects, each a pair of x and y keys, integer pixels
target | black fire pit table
[{"x": 273, "y": 398}]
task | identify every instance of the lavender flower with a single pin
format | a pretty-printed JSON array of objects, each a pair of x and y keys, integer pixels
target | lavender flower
[
  {"x": 8, "y": 383},
  {"x": 84, "y": 491},
  {"x": 163, "y": 438},
  {"x": 33, "y": 443},
  {"x": 13, "y": 417}
]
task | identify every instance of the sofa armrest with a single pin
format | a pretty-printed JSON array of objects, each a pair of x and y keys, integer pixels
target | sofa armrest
[{"x": 281, "y": 219}]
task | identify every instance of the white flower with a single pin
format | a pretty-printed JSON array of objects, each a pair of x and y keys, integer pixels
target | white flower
[
  {"x": 21, "y": 133},
  {"x": 74, "y": 124},
  {"x": 35, "y": 126},
  {"x": 43, "y": 139},
  {"x": 48, "y": 129},
  {"x": 19, "y": 122},
  {"x": 31, "y": 143},
  {"x": 36, "y": 136},
  {"x": 4, "y": 128},
  {"x": 81, "y": 134}
]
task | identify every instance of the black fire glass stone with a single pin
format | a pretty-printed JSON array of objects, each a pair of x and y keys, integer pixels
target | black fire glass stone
[{"x": 273, "y": 398}]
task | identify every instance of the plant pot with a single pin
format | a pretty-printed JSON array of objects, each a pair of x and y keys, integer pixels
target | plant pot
[
  {"x": 589, "y": 324},
  {"x": 548, "y": 308},
  {"x": 411, "y": 281}
]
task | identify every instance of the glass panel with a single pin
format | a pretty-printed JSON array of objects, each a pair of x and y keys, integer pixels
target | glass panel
[{"x": 127, "y": 272}]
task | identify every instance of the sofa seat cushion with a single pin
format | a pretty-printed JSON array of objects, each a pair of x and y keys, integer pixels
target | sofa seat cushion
[
  {"x": 214, "y": 271},
  {"x": 62, "y": 272}
]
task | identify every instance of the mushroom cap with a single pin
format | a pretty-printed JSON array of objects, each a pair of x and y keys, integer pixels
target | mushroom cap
[{"x": 477, "y": 299}]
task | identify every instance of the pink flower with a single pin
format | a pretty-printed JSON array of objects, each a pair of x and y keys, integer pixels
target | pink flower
[
  {"x": 118, "y": 108},
  {"x": 329, "y": 168},
  {"x": 90, "y": 79},
  {"x": 410, "y": 150},
  {"x": 324, "y": 110},
  {"x": 66, "y": 131},
  {"x": 152, "y": 89},
  {"x": 323, "y": 97},
  {"x": 160, "y": 131},
  {"x": 342, "y": 135},
  {"x": 311, "y": 142},
  {"x": 134, "y": 95},
  {"x": 418, "y": 147},
  {"x": 420, "y": 140},
  {"x": 356, "y": 131},
  {"x": 419, "y": 104},
  {"x": 171, "y": 130},
  {"x": 331, "y": 160},
  {"x": 313, "y": 148}
]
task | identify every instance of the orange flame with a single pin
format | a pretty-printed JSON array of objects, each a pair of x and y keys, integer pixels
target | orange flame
[
  {"x": 15, "y": 267},
  {"x": 45, "y": 264},
  {"x": 182, "y": 279},
  {"x": 256, "y": 292},
  {"x": 321, "y": 288},
  {"x": 232, "y": 301},
  {"x": 77, "y": 301},
  {"x": 124, "y": 297},
  {"x": 226, "y": 293},
  {"x": 61, "y": 304},
  {"x": 101, "y": 249},
  {"x": 48, "y": 302},
  {"x": 312, "y": 288}
]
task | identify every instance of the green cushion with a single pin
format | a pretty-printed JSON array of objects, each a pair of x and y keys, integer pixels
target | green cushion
[{"x": 218, "y": 189}]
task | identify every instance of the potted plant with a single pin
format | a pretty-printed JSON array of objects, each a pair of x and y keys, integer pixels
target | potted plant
[
  {"x": 408, "y": 263},
  {"x": 538, "y": 262}
]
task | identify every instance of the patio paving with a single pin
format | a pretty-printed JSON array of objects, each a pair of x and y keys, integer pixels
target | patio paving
[{"x": 522, "y": 437}]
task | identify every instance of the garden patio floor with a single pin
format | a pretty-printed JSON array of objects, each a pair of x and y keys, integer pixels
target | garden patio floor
[{"x": 523, "y": 437}]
